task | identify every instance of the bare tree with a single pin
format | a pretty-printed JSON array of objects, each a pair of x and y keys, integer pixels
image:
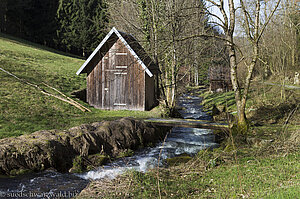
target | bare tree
[
  {"x": 280, "y": 52},
  {"x": 253, "y": 29},
  {"x": 161, "y": 26}
]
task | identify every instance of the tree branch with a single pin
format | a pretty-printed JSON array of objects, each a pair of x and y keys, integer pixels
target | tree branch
[
  {"x": 68, "y": 100},
  {"x": 246, "y": 14},
  {"x": 268, "y": 20},
  {"x": 232, "y": 16}
]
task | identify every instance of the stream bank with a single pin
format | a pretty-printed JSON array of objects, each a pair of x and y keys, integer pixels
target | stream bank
[
  {"x": 256, "y": 169},
  {"x": 57, "y": 150}
]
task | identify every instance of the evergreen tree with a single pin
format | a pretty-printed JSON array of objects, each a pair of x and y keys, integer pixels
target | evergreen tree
[
  {"x": 33, "y": 20},
  {"x": 64, "y": 17},
  {"x": 40, "y": 23},
  {"x": 16, "y": 15},
  {"x": 82, "y": 24},
  {"x": 76, "y": 26},
  {"x": 3, "y": 8}
]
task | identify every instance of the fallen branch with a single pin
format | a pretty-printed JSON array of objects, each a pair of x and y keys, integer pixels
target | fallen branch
[
  {"x": 63, "y": 99},
  {"x": 288, "y": 118},
  {"x": 68, "y": 100}
]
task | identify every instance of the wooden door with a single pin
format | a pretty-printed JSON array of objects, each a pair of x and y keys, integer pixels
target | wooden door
[
  {"x": 120, "y": 76},
  {"x": 114, "y": 75},
  {"x": 119, "y": 97}
]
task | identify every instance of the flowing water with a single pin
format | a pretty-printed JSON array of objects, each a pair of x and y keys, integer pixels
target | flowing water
[
  {"x": 180, "y": 140},
  {"x": 48, "y": 184}
]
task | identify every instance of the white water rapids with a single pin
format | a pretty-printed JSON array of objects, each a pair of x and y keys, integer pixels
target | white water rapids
[{"x": 179, "y": 141}]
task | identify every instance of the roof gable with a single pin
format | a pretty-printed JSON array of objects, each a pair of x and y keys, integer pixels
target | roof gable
[{"x": 131, "y": 44}]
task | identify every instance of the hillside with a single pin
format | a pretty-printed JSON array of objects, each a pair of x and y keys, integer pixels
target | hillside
[{"x": 23, "y": 108}]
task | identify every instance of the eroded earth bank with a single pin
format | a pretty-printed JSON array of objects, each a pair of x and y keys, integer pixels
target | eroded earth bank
[{"x": 88, "y": 144}]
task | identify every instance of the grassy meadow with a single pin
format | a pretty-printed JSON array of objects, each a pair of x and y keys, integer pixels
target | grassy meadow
[{"x": 24, "y": 109}]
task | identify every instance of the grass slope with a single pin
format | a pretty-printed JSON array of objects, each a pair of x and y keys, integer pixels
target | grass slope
[
  {"x": 24, "y": 109},
  {"x": 264, "y": 105}
]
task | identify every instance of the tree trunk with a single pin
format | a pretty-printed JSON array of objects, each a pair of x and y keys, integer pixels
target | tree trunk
[{"x": 240, "y": 100}]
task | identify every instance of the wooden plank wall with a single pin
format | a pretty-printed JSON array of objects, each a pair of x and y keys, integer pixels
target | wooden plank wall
[
  {"x": 219, "y": 73},
  {"x": 150, "y": 98},
  {"x": 117, "y": 81},
  {"x": 220, "y": 78},
  {"x": 135, "y": 84}
]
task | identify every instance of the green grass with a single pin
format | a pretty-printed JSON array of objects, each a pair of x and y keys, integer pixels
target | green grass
[
  {"x": 289, "y": 192},
  {"x": 256, "y": 178},
  {"x": 24, "y": 109},
  {"x": 223, "y": 99},
  {"x": 248, "y": 177},
  {"x": 219, "y": 99}
]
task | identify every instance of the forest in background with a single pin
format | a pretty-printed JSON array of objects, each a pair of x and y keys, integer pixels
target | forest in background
[{"x": 72, "y": 26}]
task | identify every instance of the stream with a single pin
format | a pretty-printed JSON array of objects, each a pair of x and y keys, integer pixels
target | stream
[{"x": 51, "y": 184}]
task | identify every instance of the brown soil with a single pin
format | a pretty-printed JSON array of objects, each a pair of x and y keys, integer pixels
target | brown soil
[{"x": 57, "y": 149}]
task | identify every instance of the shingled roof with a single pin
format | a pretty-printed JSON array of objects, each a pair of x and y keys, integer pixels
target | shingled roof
[{"x": 131, "y": 44}]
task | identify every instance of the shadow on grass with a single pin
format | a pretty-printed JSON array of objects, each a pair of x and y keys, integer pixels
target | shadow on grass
[
  {"x": 225, "y": 99},
  {"x": 35, "y": 45},
  {"x": 271, "y": 113}
]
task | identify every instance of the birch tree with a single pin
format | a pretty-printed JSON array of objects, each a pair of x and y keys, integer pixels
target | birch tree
[{"x": 253, "y": 29}]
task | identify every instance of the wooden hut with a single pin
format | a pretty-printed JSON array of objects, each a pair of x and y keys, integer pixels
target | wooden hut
[
  {"x": 219, "y": 78},
  {"x": 120, "y": 74}
]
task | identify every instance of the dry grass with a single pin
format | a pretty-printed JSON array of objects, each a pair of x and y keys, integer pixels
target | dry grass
[
  {"x": 242, "y": 169},
  {"x": 117, "y": 188}
]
